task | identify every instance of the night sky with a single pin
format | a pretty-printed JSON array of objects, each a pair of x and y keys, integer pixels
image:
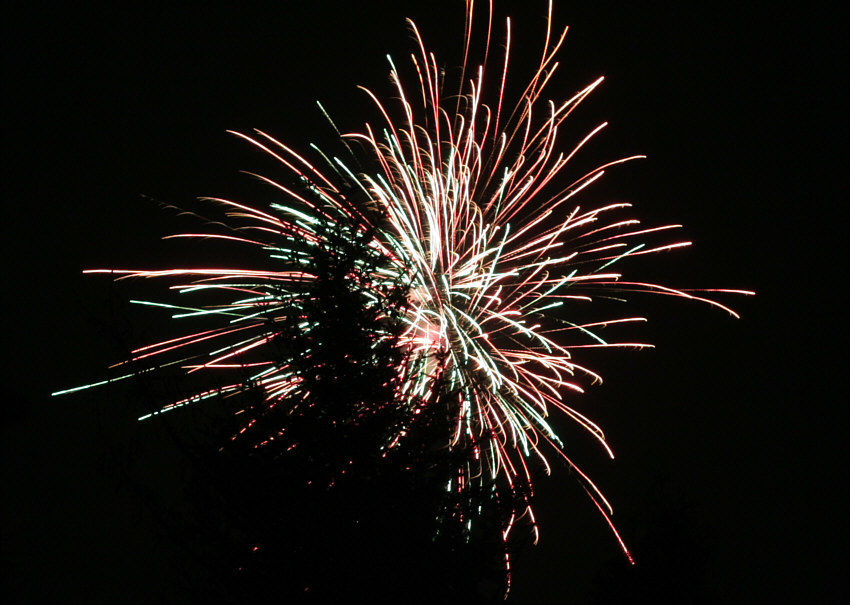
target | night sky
[{"x": 729, "y": 482}]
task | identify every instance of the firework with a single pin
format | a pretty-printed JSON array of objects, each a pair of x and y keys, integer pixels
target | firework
[{"x": 458, "y": 237}]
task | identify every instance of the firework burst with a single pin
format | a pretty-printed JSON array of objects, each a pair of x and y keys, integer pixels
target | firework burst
[{"x": 456, "y": 232}]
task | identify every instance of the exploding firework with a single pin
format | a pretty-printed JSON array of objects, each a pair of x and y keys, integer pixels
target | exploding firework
[{"x": 454, "y": 234}]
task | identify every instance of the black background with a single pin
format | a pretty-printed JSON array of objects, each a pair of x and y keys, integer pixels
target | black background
[{"x": 729, "y": 436}]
